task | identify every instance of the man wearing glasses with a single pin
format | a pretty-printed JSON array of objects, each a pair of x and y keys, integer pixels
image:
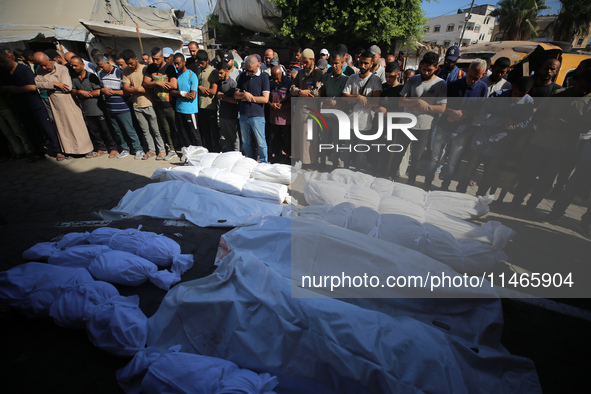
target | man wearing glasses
[{"x": 252, "y": 93}]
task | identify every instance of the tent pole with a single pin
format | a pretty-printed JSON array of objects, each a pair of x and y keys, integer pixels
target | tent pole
[{"x": 139, "y": 37}]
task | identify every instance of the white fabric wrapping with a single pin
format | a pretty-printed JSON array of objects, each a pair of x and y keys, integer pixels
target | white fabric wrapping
[
  {"x": 229, "y": 183},
  {"x": 125, "y": 268},
  {"x": 265, "y": 191},
  {"x": 464, "y": 255},
  {"x": 174, "y": 371},
  {"x": 322, "y": 189},
  {"x": 185, "y": 173},
  {"x": 78, "y": 256},
  {"x": 355, "y": 348},
  {"x": 190, "y": 152},
  {"x": 74, "y": 306},
  {"x": 206, "y": 177},
  {"x": 204, "y": 160},
  {"x": 199, "y": 205},
  {"x": 244, "y": 167},
  {"x": 226, "y": 160},
  {"x": 156, "y": 248},
  {"x": 277, "y": 173},
  {"x": 118, "y": 326},
  {"x": 41, "y": 251},
  {"x": 72, "y": 298},
  {"x": 349, "y": 177},
  {"x": 33, "y": 287}
]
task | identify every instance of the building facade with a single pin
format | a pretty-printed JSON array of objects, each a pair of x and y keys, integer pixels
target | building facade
[{"x": 447, "y": 30}]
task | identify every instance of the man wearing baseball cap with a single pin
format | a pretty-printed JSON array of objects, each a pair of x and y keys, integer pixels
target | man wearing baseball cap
[
  {"x": 232, "y": 71},
  {"x": 377, "y": 69},
  {"x": 450, "y": 72}
]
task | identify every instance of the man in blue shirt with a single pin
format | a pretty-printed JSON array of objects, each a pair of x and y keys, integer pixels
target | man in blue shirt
[
  {"x": 253, "y": 93},
  {"x": 187, "y": 103},
  {"x": 453, "y": 129},
  {"x": 450, "y": 72}
]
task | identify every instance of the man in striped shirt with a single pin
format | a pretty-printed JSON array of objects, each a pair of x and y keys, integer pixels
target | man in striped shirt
[{"x": 112, "y": 91}]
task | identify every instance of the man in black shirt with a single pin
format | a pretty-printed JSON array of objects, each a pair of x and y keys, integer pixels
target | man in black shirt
[
  {"x": 544, "y": 85},
  {"x": 392, "y": 87},
  {"x": 19, "y": 81},
  {"x": 192, "y": 63},
  {"x": 161, "y": 78},
  {"x": 87, "y": 88}
]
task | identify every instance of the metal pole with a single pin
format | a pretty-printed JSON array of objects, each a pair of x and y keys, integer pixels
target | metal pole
[
  {"x": 466, "y": 22},
  {"x": 139, "y": 37},
  {"x": 195, "y": 11}
]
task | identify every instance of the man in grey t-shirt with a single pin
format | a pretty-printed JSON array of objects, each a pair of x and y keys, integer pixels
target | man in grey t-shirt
[{"x": 425, "y": 96}]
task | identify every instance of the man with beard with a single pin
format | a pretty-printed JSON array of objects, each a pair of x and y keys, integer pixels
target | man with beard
[
  {"x": 87, "y": 88},
  {"x": 252, "y": 93},
  {"x": 133, "y": 78},
  {"x": 307, "y": 83},
  {"x": 544, "y": 85},
  {"x": 377, "y": 69},
  {"x": 161, "y": 77},
  {"x": 208, "y": 103},
  {"x": 267, "y": 61},
  {"x": 363, "y": 85},
  {"x": 425, "y": 95},
  {"x": 496, "y": 81},
  {"x": 450, "y": 72},
  {"x": 191, "y": 62},
  {"x": 72, "y": 131},
  {"x": 453, "y": 130}
]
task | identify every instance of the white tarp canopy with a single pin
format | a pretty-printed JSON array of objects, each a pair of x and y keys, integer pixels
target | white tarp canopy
[
  {"x": 119, "y": 31},
  {"x": 15, "y": 33},
  {"x": 255, "y": 15}
]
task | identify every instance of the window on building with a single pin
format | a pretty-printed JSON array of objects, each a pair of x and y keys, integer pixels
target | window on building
[
  {"x": 579, "y": 42},
  {"x": 426, "y": 29},
  {"x": 486, "y": 20},
  {"x": 470, "y": 26},
  {"x": 477, "y": 29},
  {"x": 460, "y": 27},
  {"x": 436, "y": 29},
  {"x": 455, "y": 43},
  {"x": 445, "y": 43},
  {"x": 490, "y": 31},
  {"x": 450, "y": 27}
]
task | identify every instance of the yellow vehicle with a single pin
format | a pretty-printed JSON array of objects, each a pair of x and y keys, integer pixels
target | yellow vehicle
[{"x": 525, "y": 56}]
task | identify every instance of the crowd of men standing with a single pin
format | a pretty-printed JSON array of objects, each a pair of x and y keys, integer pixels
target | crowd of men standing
[{"x": 152, "y": 105}]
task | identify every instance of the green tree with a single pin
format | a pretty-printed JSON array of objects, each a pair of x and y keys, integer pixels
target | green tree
[
  {"x": 574, "y": 18},
  {"x": 517, "y": 18},
  {"x": 330, "y": 22}
]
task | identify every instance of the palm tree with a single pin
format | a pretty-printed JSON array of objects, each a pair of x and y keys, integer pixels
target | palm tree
[
  {"x": 517, "y": 18},
  {"x": 574, "y": 18}
]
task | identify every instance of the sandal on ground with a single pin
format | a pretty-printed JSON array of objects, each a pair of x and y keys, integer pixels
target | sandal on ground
[
  {"x": 113, "y": 154},
  {"x": 68, "y": 157},
  {"x": 100, "y": 153},
  {"x": 60, "y": 157},
  {"x": 148, "y": 155},
  {"x": 90, "y": 155},
  {"x": 161, "y": 156}
]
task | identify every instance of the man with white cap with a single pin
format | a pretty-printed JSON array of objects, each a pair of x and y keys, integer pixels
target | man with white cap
[
  {"x": 308, "y": 81},
  {"x": 377, "y": 69},
  {"x": 324, "y": 54}
]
